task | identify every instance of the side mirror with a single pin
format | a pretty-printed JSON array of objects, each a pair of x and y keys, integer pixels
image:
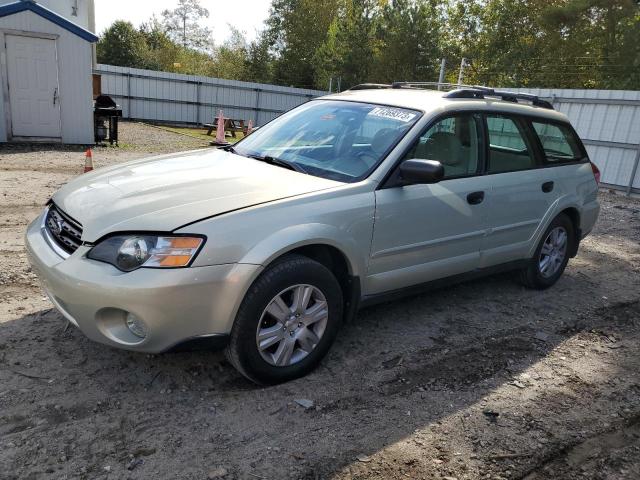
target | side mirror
[{"x": 416, "y": 171}]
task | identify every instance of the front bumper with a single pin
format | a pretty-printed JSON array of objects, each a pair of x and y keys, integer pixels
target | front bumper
[{"x": 175, "y": 305}]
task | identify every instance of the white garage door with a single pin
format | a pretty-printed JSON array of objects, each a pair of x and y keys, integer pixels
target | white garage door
[{"x": 32, "y": 66}]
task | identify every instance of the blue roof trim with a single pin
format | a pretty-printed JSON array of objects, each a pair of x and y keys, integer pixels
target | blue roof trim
[{"x": 53, "y": 17}]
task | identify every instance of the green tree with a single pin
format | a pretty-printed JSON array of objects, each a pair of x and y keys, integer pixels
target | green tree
[
  {"x": 230, "y": 59},
  {"x": 601, "y": 38},
  {"x": 536, "y": 43},
  {"x": 259, "y": 65},
  {"x": 409, "y": 42},
  {"x": 546, "y": 43},
  {"x": 296, "y": 28},
  {"x": 161, "y": 53},
  {"x": 509, "y": 48},
  {"x": 122, "y": 45},
  {"x": 182, "y": 24},
  {"x": 328, "y": 58},
  {"x": 351, "y": 43}
]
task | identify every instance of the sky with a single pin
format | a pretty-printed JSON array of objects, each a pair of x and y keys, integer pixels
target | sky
[{"x": 247, "y": 15}]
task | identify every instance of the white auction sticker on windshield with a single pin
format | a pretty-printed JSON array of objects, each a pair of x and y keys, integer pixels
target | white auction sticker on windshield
[{"x": 392, "y": 113}]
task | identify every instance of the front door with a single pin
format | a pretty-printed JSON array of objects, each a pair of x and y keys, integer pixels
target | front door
[
  {"x": 32, "y": 66},
  {"x": 426, "y": 232}
]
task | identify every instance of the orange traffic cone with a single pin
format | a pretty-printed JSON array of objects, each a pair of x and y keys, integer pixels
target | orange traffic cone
[
  {"x": 220, "y": 129},
  {"x": 88, "y": 160}
]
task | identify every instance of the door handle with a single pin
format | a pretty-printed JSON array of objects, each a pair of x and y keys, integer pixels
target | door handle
[
  {"x": 547, "y": 187},
  {"x": 55, "y": 95},
  {"x": 475, "y": 198}
]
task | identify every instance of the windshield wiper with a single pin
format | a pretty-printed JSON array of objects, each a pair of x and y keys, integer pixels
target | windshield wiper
[
  {"x": 229, "y": 148},
  {"x": 268, "y": 159},
  {"x": 279, "y": 162}
]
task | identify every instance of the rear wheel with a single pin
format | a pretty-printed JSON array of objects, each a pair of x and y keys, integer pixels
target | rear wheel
[
  {"x": 551, "y": 256},
  {"x": 287, "y": 321}
]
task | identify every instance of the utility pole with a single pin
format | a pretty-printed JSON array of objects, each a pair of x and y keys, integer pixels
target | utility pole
[
  {"x": 463, "y": 64},
  {"x": 184, "y": 31},
  {"x": 443, "y": 65}
]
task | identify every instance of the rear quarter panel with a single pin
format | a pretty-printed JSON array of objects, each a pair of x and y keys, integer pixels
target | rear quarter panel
[{"x": 577, "y": 189}]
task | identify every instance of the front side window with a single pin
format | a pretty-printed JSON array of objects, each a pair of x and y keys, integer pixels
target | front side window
[
  {"x": 454, "y": 142},
  {"x": 559, "y": 143},
  {"x": 333, "y": 139},
  {"x": 509, "y": 148}
]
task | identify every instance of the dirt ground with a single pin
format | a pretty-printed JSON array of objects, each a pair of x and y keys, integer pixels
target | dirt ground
[{"x": 484, "y": 380}]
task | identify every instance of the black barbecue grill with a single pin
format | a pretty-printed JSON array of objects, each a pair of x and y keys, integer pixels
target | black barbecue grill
[{"x": 105, "y": 119}]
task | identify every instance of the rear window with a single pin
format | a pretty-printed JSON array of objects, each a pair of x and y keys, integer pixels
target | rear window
[
  {"x": 509, "y": 150},
  {"x": 559, "y": 142}
]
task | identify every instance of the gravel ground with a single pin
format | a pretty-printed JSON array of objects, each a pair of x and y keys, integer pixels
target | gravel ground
[{"x": 481, "y": 380}]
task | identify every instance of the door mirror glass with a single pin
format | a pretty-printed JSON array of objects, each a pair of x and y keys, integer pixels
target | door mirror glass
[{"x": 415, "y": 171}]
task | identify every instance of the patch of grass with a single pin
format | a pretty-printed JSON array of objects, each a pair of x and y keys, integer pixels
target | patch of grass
[{"x": 201, "y": 133}]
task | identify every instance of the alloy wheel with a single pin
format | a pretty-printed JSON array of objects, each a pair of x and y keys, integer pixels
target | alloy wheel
[
  {"x": 553, "y": 253},
  {"x": 292, "y": 325}
]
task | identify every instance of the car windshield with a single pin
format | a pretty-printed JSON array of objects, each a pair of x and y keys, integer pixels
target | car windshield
[{"x": 338, "y": 140}]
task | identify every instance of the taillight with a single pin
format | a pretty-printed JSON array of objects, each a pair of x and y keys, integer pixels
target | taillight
[{"x": 596, "y": 172}]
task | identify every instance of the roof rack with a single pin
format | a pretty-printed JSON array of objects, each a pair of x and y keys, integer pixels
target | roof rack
[
  {"x": 370, "y": 86},
  {"x": 375, "y": 86},
  {"x": 437, "y": 85},
  {"x": 462, "y": 91},
  {"x": 483, "y": 92}
]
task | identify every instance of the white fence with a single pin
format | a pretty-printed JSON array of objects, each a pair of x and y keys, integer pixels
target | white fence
[
  {"x": 189, "y": 99},
  {"x": 608, "y": 121}
]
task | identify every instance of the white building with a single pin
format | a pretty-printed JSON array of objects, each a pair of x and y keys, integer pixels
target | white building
[{"x": 46, "y": 59}]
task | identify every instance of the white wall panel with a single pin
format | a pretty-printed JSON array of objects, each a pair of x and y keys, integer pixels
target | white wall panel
[
  {"x": 171, "y": 97},
  {"x": 609, "y": 116}
]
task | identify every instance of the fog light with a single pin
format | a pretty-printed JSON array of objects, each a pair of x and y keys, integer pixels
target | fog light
[{"x": 136, "y": 325}]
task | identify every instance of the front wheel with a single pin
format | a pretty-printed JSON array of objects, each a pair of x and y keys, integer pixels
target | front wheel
[
  {"x": 551, "y": 256},
  {"x": 286, "y": 322}
]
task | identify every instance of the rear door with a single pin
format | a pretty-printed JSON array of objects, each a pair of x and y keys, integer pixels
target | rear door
[{"x": 521, "y": 191}]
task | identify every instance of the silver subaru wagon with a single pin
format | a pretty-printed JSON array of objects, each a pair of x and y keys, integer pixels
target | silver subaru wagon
[{"x": 268, "y": 246}]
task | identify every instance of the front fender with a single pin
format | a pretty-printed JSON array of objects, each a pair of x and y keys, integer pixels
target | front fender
[{"x": 296, "y": 236}]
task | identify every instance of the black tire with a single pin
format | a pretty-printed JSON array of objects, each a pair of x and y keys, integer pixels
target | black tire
[
  {"x": 242, "y": 351},
  {"x": 531, "y": 276}
]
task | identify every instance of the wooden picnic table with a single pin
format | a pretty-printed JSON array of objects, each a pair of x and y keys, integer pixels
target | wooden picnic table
[{"x": 230, "y": 125}]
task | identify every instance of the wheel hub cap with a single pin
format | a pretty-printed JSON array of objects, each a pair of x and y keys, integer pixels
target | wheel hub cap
[
  {"x": 553, "y": 252},
  {"x": 292, "y": 325}
]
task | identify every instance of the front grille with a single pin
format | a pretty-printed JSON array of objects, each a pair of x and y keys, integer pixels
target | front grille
[{"x": 65, "y": 231}]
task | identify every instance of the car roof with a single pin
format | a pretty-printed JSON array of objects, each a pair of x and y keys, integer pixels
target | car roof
[{"x": 434, "y": 101}]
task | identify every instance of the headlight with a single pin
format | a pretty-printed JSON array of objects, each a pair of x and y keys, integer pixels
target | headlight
[{"x": 129, "y": 252}]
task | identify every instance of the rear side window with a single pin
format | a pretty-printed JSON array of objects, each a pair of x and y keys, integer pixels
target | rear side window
[
  {"x": 509, "y": 148},
  {"x": 559, "y": 142}
]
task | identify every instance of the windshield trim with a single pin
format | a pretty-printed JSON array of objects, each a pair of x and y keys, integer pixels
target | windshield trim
[{"x": 420, "y": 114}]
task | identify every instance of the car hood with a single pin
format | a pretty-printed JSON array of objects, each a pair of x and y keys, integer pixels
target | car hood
[{"x": 164, "y": 193}]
